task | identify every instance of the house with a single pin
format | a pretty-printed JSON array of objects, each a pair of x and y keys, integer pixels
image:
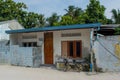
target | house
[
  {"x": 37, "y": 46},
  {"x": 4, "y": 38}
]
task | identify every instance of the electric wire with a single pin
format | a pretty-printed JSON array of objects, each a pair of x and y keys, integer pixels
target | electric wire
[{"x": 108, "y": 50}]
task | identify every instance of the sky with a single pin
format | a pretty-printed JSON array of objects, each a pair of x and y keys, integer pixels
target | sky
[{"x": 47, "y": 7}]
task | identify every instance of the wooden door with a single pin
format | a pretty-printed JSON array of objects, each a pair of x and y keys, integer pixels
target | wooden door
[{"x": 48, "y": 48}]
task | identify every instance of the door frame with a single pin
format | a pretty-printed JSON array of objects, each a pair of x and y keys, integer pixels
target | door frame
[{"x": 45, "y": 37}]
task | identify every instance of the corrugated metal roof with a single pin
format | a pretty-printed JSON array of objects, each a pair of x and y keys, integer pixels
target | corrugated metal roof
[{"x": 55, "y": 28}]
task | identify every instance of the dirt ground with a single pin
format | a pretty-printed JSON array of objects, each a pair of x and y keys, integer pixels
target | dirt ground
[{"x": 47, "y": 73}]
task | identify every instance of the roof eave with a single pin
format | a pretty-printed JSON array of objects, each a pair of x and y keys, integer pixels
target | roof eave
[{"x": 57, "y": 28}]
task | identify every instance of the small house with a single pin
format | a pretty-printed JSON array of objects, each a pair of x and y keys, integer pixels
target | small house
[{"x": 35, "y": 46}]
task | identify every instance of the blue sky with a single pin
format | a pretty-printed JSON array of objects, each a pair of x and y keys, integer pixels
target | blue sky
[{"x": 47, "y": 7}]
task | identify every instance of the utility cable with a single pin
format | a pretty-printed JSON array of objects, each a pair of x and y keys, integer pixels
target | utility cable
[{"x": 108, "y": 50}]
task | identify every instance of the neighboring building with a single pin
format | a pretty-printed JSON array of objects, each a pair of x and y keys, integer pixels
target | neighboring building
[
  {"x": 4, "y": 38},
  {"x": 50, "y": 42},
  {"x": 8, "y": 25},
  {"x": 108, "y": 29}
]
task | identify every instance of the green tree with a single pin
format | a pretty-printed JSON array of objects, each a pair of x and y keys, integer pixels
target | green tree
[
  {"x": 41, "y": 20},
  {"x": 116, "y": 15},
  {"x": 34, "y": 20},
  {"x": 109, "y": 21},
  {"x": 95, "y": 12},
  {"x": 10, "y": 9},
  {"x": 66, "y": 20},
  {"x": 73, "y": 16},
  {"x": 53, "y": 19},
  {"x": 73, "y": 11},
  {"x": 70, "y": 11}
]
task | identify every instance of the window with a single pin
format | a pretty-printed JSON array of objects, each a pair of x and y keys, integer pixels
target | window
[
  {"x": 34, "y": 44},
  {"x": 29, "y": 44},
  {"x": 72, "y": 49},
  {"x": 25, "y": 44}
]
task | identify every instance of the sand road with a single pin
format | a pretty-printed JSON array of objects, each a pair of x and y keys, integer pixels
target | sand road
[{"x": 8, "y": 72}]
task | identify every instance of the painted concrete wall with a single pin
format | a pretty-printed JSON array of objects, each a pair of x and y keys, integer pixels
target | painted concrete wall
[
  {"x": 4, "y": 52},
  {"x": 3, "y": 35},
  {"x": 4, "y": 39},
  {"x": 104, "y": 49},
  {"x": 85, "y": 37},
  {"x": 4, "y": 49},
  {"x": 16, "y": 39},
  {"x": 25, "y": 56},
  {"x": 40, "y": 42},
  {"x": 8, "y": 25},
  {"x": 21, "y": 56}
]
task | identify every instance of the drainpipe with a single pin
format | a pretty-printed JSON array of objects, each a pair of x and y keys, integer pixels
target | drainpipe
[
  {"x": 91, "y": 47},
  {"x": 91, "y": 51}
]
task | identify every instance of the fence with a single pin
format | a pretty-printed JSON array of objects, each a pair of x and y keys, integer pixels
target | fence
[
  {"x": 26, "y": 56},
  {"x": 4, "y": 52}
]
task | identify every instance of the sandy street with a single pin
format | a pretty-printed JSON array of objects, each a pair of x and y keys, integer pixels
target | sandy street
[{"x": 47, "y": 73}]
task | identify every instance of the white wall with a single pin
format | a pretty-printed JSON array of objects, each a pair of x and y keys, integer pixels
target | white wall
[
  {"x": 3, "y": 35},
  {"x": 40, "y": 41},
  {"x": 4, "y": 49},
  {"x": 4, "y": 52},
  {"x": 104, "y": 49},
  {"x": 4, "y": 39},
  {"x": 21, "y": 56},
  {"x": 85, "y": 38},
  {"x": 17, "y": 38},
  {"x": 5, "y": 56}
]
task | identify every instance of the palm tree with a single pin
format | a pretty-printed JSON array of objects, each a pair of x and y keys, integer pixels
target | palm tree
[
  {"x": 53, "y": 19},
  {"x": 73, "y": 11},
  {"x": 78, "y": 12},
  {"x": 70, "y": 11},
  {"x": 116, "y": 16},
  {"x": 41, "y": 20}
]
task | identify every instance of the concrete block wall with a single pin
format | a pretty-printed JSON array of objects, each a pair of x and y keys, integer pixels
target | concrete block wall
[
  {"x": 105, "y": 53},
  {"x": 4, "y": 52},
  {"x": 26, "y": 56}
]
